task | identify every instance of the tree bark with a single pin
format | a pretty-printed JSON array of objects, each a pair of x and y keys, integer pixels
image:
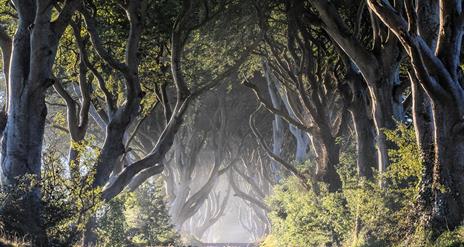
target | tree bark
[
  {"x": 448, "y": 185},
  {"x": 5, "y": 47},
  {"x": 379, "y": 69},
  {"x": 328, "y": 160},
  {"x": 438, "y": 73},
  {"x": 277, "y": 122},
  {"x": 365, "y": 138},
  {"x": 355, "y": 95},
  {"x": 427, "y": 27},
  {"x": 33, "y": 54}
]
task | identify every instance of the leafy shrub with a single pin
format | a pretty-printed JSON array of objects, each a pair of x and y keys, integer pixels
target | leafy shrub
[
  {"x": 364, "y": 213},
  {"x": 112, "y": 225},
  {"x": 66, "y": 202},
  {"x": 300, "y": 218},
  {"x": 138, "y": 218}
]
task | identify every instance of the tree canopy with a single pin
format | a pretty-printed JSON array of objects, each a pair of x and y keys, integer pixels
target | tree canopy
[{"x": 292, "y": 123}]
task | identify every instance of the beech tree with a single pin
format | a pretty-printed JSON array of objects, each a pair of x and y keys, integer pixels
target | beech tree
[
  {"x": 211, "y": 212},
  {"x": 346, "y": 128},
  {"x": 314, "y": 102},
  {"x": 379, "y": 65},
  {"x": 186, "y": 190},
  {"x": 32, "y": 55},
  {"x": 121, "y": 116},
  {"x": 281, "y": 102},
  {"x": 436, "y": 69},
  {"x": 251, "y": 182},
  {"x": 117, "y": 112}
]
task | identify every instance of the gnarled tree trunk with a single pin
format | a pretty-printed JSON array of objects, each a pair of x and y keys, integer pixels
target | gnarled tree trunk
[
  {"x": 380, "y": 69},
  {"x": 34, "y": 47},
  {"x": 438, "y": 73}
]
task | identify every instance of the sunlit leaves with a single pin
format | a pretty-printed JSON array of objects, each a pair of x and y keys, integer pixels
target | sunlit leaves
[
  {"x": 363, "y": 214},
  {"x": 138, "y": 217},
  {"x": 209, "y": 54},
  {"x": 301, "y": 218},
  {"x": 69, "y": 200}
]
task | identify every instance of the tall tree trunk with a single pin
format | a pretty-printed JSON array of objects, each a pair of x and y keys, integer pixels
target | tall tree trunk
[
  {"x": 365, "y": 141},
  {"x": 439, "y": 74},
  {"x": 424, "y": 130},
  {"x": 356, "y": 98},
  {"x": 328, "y": 160},
  {"x": 277, "y": 122},
  {"x": 427, "y": 26},
  {"x": 383, "y": 112},
  {"x": 112, "y": 150},
  {"x": 22, "y": 140},
  {"x": 33, "y": 55},
  {"x": 301, "y": 143},
  {"x": 279, "y": 101},
  {"x": 380, "y": 69},
  {"x": 277, "y": 143},
  {"x": 448, "y": 186},
  {"x": 21, "y": 164}
]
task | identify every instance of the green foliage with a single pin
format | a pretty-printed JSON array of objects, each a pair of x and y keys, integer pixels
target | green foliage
[
  {"x": 216, "y": 56},
  {"x": 447, "y": 239},
  {"x": 150, "y": 216},
  {"x": 112, "y": 225},
  {"x": 387, "y": 215},
  {"x": 137, "y": 218},
  {"x": 363, "y": 214},
  {"x": 407, "y": 168},
  {"x": 451, "y": 239},
  {"x": 67, "y": 202},
  {"x": 301, "y": 218}
]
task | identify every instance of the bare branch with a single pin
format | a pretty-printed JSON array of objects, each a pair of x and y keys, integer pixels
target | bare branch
[
  {"x": 274, "y": 110},
  {"x": 285, "y": 164}
]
